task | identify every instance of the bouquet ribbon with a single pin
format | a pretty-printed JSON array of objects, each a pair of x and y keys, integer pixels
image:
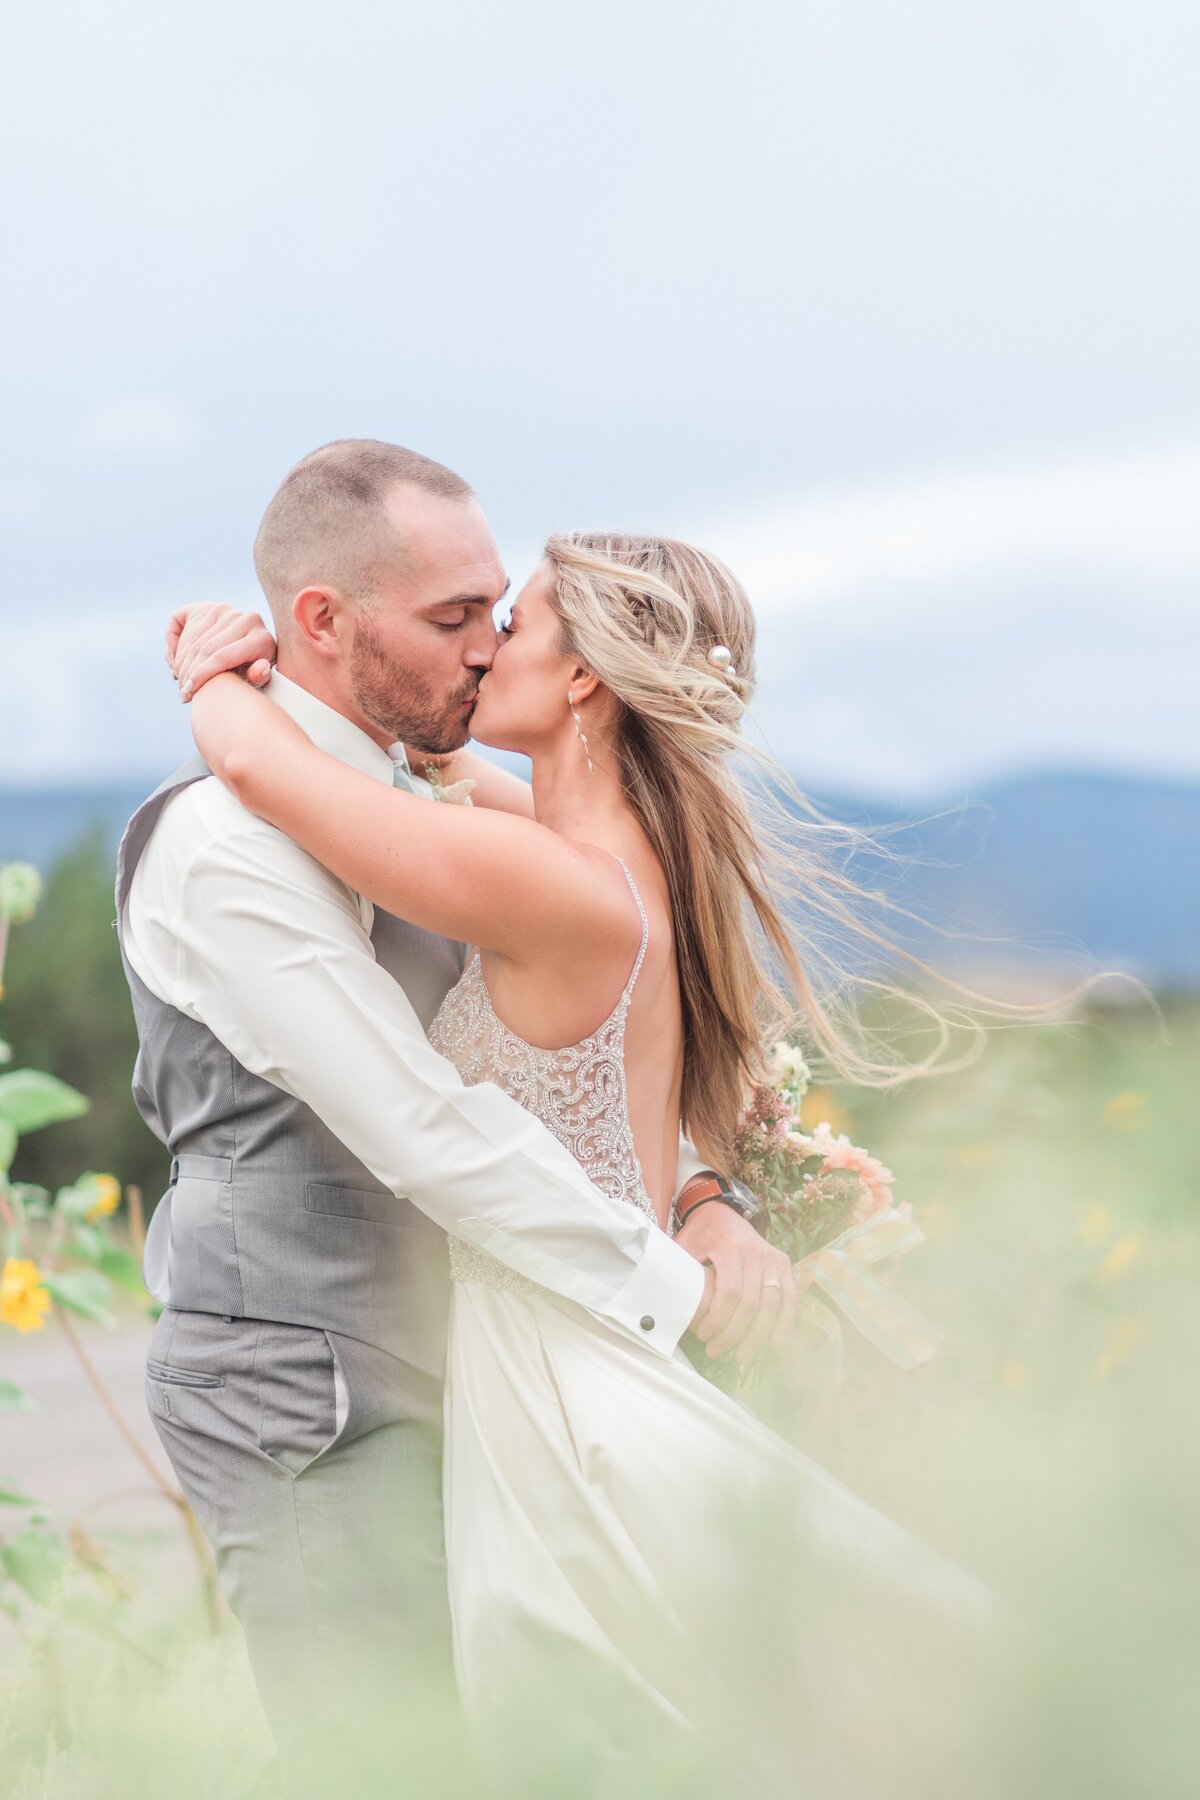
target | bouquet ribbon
[{"x": 841, "y": 1270}]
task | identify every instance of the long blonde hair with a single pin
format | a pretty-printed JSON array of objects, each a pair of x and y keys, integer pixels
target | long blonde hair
[{"x": 747, "y": 856}]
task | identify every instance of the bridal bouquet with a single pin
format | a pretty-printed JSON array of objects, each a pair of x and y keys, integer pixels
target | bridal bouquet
[{"x": 830, "y": 1208}]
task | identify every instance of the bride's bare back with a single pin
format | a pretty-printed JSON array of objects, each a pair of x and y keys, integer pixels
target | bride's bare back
[{"x": 559, "y": 1002}]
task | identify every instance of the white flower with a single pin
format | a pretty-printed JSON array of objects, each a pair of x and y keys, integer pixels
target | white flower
[
  {"x": 788, "y": 1068},
  {"x": 454, "y": 793},
  {"x": 20, "y": 891}
]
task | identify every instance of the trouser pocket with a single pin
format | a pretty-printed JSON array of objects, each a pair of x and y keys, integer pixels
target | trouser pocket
[
  {"x": 300, "y": 1392},
  {"x": 182, "y": 1377}
]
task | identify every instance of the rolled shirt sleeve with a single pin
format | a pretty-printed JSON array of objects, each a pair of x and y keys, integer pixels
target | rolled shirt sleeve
[{"x": 273, "y": 954}]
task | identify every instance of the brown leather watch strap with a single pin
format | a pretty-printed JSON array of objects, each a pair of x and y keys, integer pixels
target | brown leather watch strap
[{"x": 704, "y": 1185}]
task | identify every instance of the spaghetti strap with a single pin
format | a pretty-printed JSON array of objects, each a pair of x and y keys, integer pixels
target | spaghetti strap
[{"x": 641, "y": 955}]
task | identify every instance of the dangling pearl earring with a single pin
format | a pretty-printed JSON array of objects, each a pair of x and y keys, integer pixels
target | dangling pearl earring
[{"x": 579, "y": 727}]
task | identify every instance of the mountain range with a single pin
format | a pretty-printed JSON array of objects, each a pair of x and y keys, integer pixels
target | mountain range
[{"x": 1053, "y": 870}]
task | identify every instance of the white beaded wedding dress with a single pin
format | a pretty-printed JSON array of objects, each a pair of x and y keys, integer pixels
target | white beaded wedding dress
[{"x": 600, "y": 1500}]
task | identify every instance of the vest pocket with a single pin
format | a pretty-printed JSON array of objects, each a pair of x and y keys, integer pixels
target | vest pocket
[{"x": 376, "y": 1205}]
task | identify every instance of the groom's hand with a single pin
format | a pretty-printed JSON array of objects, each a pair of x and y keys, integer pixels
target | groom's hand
[{"x": 749, "y": 1289}]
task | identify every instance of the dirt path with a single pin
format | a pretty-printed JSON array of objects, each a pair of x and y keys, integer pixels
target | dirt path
[{"x": 71, "y": 1458}]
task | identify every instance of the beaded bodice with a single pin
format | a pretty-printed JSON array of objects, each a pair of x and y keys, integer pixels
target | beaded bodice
[{"x": 579, "y": 1093}]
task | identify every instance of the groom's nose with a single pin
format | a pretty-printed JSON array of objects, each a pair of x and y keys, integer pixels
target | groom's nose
[{"x": 483, "y": 645}]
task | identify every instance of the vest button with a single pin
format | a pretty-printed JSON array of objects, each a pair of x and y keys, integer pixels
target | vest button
[{"x": 647, "y": 1322}]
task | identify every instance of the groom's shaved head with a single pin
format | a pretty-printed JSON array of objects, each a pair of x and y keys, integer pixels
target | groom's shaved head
[{"x": 329, "y": 524}]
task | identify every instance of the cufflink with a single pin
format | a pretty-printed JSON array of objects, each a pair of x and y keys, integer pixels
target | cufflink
[{"x": 647, "y": 1322}]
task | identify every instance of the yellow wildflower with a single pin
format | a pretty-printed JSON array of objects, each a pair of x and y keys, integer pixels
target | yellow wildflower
[
  {"x": 936, "y": 1218},
  {"x": 107, "y": 1190},
  {"x": 1119, "y": 1339},
  {"x": 819, "y": 1103},
  {"x": 1123, "y": 1252},
  {"x": 1125, "y": 1112},
  {"x": 1096, "y": 1223},
  {"x": 1014, "y": 1373},
  {"x": 972, "y": 1156},
  {"x": 23, "y": 1300}
]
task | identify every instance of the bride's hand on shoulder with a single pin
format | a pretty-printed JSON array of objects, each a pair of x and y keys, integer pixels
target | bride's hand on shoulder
[{"x": 207, "y": 639}]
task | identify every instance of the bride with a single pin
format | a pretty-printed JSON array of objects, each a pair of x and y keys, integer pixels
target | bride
[{"x": 602, "y": 1503}]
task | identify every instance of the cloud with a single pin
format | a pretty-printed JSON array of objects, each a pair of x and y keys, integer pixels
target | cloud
[
  {"x": 91, "y": 702},
  {"x": 1135, "y": 511},
  {"x": 923, "y": 633},
  {"x": 136, "y": 425},
  {"x": 916, "y": 636}
]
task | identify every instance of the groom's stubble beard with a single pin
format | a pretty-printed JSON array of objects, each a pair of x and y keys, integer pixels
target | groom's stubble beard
[{"x": 401, "y": 701}]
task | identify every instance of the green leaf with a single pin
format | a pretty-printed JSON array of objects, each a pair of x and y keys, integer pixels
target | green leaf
[
  {"x": 123, "y": 1270},
  {"x": 29, "y": 1100},
  {"x": 85, "y": 1241},
  {"x": 8, "y": 1145},
  {"x": 33, "y": 1198},
  {"x": 119, "y": 1266},
  {"x": 15, "y": 1399},
  {"x": 36, "y": 1562},
  {"x": 5, "y": 1051},
  {"x": 90, "y": 1610},
  {"x": 11, "y": 1496},
  {"x": 82, "y": 1291}
]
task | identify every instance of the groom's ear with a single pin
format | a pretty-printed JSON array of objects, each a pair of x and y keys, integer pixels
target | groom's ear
[{"x": 323, "y": 620}]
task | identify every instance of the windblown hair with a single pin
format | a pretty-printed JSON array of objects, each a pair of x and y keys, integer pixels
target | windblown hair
[
  {"x": 761, "y": 903},
  {"x": 328, "y": 523}
]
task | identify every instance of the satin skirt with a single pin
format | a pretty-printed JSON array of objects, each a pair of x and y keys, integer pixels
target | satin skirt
[{"x": 626, "y": 1540}]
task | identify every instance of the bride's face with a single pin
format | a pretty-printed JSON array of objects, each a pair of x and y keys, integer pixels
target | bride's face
[{"x": 522, "y": 701}]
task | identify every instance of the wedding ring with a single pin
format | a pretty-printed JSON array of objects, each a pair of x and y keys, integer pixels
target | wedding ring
[{"x": 771, "y": 1282}]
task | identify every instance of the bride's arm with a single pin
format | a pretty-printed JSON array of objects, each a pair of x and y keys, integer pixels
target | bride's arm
[
  {"x": 488, "y": 878},
  {"x": 206, "y": 640}
]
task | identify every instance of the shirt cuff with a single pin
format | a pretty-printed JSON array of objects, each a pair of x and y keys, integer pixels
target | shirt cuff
[{"x": 661, "y": 1297}]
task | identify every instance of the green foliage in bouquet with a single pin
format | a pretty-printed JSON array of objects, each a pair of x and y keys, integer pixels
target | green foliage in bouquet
[
  {"x": 806, "y": 1203},
  {"x": 814, "y": 1185}
]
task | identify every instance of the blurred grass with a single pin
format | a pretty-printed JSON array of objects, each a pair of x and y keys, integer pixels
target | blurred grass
[{"x": 1051, "y": 1446}]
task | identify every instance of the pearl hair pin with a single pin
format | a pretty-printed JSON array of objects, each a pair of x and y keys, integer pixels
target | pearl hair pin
[{"x": 721, "y": 659}]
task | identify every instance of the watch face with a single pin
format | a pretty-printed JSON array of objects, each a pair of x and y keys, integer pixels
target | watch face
[{"x": 747, "y": 1201}]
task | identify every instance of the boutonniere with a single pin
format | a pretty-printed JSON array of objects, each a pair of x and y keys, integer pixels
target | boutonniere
[{"x": 450, "y": 793}]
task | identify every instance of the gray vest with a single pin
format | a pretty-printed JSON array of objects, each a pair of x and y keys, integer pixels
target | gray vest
[{"x": 268, "y": 1215}]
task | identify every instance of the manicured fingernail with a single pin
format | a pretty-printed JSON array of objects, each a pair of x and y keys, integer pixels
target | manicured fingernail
[{"x": 186, "y": 690}]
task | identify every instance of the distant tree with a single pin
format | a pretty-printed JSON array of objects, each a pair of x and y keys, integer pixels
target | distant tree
[{"x": 67, "y": 1008}]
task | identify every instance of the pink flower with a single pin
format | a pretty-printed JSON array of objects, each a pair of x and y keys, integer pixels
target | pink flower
[{"x": 839, "y": 1153}]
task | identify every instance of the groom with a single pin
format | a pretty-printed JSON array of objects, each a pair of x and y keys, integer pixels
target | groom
[{"x": 321, "y": 1149}]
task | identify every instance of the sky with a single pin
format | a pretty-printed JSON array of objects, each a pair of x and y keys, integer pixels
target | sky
[{"x": 894, "y": 306}]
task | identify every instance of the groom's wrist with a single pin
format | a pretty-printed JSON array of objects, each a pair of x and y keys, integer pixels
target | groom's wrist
[{"x": 707, "y": 1188}]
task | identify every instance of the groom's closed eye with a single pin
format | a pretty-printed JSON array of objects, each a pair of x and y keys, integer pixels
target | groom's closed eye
[{"x": 454, "y": 620}]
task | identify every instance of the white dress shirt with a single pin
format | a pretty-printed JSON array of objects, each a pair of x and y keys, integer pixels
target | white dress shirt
[{"x": 232, "y": 924}]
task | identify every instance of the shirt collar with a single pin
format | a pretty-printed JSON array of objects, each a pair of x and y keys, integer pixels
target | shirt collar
[
  {"x": 397, "y": 756},
  {"x": 332, "y": 731}
]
